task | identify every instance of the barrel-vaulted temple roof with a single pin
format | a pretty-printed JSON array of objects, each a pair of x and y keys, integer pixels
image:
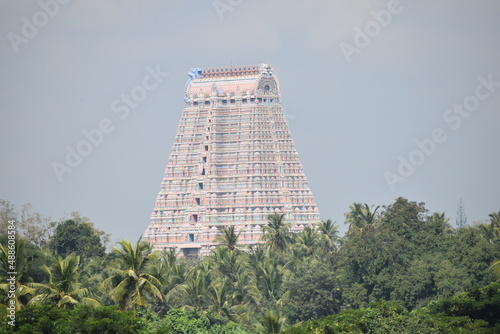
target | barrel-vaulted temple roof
[{"x": 237, "y": 80}]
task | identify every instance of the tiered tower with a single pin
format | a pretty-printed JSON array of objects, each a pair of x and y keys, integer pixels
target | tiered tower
[{"x": 233, "y": 163}]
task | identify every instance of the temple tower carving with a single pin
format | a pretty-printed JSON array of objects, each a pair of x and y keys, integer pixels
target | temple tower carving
[{"x": 233, "y": 162}]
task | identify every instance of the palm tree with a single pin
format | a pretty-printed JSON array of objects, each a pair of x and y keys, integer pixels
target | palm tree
[
  {"x": 277, "y": 233},
  {"x": 63, "y": 289},
  {"x": 491, "y": 231},
  {"x": 307, "y": 241},
  {"x": 256, "y": 257},
  {"x": 495, "y": 268},
  {"x": 228, "y": 238},
  {"x": 132, "y": 284},
  {"x": 439, "y": 223},
  {"x": 329, "y": 232},
  {"x": 361, "y": 217},
  {"x": 94, "y": 271},
  {"x": 354, "y": 216},
  {"x": 228, "y": 263},
  {"x": 370, "y": 217},
  {"x": 192, "y": 295},
  {"x": 495, "y": 224},
  {"x": 245, "y": 289},
  {"x": 264, "y": 265},
  {"x": 246, "y": 298},
  {"x": 220, "y": 296},
  {"x": 239, "y": 284},
  {"x": 20, "y": 267},
  {"x": 495, "y": 218},
  {"x": 270, "y": 280},
  {"x": 272, "y": 322},
  {"x": 170, "y": 272}
]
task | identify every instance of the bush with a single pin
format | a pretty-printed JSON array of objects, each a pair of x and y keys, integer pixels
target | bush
[{"x": 82, "y": 320}]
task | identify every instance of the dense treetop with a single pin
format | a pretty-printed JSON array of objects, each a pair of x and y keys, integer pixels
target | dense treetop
[{"x": 398, "y": 269}]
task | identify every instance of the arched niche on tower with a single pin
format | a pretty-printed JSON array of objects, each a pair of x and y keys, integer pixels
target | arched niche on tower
[{"x": 267, "y": 85}]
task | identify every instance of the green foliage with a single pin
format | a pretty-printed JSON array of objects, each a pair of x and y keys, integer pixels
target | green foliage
[
  {"x": 361, "y": 217},
  {"x": 179, "y": 322},
  {"x": 411, "y": 257},
  {"x": 80, "y": 238},
  {"x": 192, "y": 294},
  {"x": 63, "y": 289},
  {"x": 38, "y": 258},
  {"x": 272, "y": 322},
  {"x": 495, "y": 269},
  {"x": 228, "y": 238},
  {"x": 479, "y": 302},
  {"x": 132, "y": 284},
  {"x": 277, "y": 233},
  {"x": 388, "y": 317},
  {"x": 316, "y": 292},
  {"x": 81, "y": 320},
  {"x": 19, "y": 253},
  {"x": 329, "y": 236},
  {"x": 30, "y": 225},
  {"x": 376, "y": 279}
]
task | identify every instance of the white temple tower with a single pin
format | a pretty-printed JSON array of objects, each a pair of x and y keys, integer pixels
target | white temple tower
[{"x": 233, "y": 163}]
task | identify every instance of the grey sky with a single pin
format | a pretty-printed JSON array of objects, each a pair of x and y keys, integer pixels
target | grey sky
[{"x": 350, "y": 121}]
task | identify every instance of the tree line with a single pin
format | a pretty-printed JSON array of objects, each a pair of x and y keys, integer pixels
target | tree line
[{"x": 397, "y": 269}]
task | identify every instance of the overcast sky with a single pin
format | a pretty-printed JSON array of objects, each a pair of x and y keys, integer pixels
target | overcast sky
[{"x": 361, "y": 82}]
